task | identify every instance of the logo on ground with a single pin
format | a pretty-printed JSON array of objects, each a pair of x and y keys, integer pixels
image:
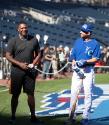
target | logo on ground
[{"x": 58, "y": 103}]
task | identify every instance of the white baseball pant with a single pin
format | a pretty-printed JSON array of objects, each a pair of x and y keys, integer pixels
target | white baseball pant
[{"x": 87, "y": 84}]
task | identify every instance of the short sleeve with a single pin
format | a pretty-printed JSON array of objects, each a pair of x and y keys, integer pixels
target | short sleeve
[
  {"x": 11, "y": 46},
  {"x": 97, "y": 52}
]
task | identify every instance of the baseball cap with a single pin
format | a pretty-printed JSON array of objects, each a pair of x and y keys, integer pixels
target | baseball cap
[{"x": 87, "y": 28}]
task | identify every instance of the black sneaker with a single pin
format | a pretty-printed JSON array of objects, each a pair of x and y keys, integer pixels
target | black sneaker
[
  {"x": 36, "y": 120},
  {"x": 12, "y": 120}
]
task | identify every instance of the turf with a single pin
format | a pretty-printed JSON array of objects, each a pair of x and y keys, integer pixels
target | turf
[
  {"x": 102, "y": 78},
  {"x": 42, "y": 88}
]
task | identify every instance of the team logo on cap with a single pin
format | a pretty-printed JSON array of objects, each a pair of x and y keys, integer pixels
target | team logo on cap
[{"x": 84, "y": 26}]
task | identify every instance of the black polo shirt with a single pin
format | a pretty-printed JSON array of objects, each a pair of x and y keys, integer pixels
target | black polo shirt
[{"x": 23, "y": 50}]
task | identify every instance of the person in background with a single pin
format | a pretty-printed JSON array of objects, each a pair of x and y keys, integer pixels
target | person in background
[
  {"x": 62, "y": 59},
  {"x": 47, "y": 58}
]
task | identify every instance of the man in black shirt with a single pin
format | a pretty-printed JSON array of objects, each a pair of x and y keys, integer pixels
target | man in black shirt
[{"x": 23, "y": 52}]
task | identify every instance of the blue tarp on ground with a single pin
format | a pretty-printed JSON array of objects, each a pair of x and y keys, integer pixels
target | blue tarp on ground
[{"x": 100, "y": 116}]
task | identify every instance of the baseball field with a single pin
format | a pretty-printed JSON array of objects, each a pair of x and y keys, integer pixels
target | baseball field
[{"x": 42, "y": 88}]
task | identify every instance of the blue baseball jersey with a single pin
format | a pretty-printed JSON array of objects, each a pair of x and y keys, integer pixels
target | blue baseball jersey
[{"x": 84, "y": 50}]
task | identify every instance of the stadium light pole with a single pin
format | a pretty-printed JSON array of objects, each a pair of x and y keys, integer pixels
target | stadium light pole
[
  {"x": 1, "y": 55},
  {"x": 38, "y": 37},
  {"x": 45, "y": 38},
  {"x": 3, "y": 42}
]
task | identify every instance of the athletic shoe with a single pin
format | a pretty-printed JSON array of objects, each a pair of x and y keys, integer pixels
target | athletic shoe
[
  {"x": 12, "y": 120},
  {"x": 84, "y": 122},
  {"x": 35, "y": 120}
]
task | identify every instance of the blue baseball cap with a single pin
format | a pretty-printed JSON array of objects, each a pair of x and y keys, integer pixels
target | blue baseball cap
[{"x": 87, "y": 28}]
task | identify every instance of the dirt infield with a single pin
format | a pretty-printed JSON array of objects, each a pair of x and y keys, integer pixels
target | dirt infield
[{"x": 4, "y": 82}]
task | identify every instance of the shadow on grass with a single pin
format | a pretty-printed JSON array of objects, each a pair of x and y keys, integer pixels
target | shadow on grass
[
  {"x": 25, "y": 120},
  {"x": 51, "y": 120},
  {"x": 20, "y": 120}
]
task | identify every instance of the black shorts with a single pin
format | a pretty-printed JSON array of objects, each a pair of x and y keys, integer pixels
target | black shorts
[{"x": 19, "y": 79}]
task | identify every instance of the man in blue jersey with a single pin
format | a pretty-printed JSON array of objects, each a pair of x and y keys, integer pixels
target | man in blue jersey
[{"x": 85, "y": 53}]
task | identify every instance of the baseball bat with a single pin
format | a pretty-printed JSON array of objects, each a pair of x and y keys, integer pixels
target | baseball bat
[
  {"x": 73, "y": 107},
  {"x": 72, "y": 110}
]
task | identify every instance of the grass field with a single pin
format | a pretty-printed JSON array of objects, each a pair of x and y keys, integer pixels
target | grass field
[{"x": 42, "y": 88}]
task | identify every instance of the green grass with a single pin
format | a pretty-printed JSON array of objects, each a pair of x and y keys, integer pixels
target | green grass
[
  {"x": 42, "y": 88},
  {"x": 102, "y": 78}
]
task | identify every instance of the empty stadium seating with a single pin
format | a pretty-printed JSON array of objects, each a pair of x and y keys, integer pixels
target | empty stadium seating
[
  {"x": 68, "y": 20},
  {"x": 63, "y": 33}
]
